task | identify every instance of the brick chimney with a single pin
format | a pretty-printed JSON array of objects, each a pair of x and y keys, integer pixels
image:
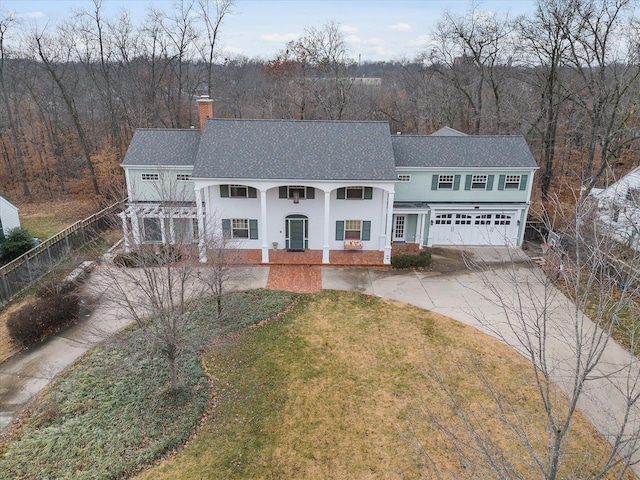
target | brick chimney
[{"x": 205, "y": 110}]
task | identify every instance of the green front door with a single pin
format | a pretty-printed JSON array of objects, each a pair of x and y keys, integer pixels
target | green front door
[{"x": 296, "y": 233}]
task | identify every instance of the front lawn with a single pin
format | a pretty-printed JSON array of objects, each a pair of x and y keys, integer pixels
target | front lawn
[
  {"x": 352, "y": 386},
  {"x": 112, "y": 411}
]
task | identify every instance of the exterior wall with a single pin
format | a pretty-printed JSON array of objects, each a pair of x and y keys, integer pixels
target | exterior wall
[
  {"x": 278, "y": 209},
  {"x": 167, "y": 188},
  {"x": 8, "y": 216},
  {"x": 419, "y": 189}
]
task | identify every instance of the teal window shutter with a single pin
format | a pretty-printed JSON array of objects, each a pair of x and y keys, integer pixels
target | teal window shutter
[
  {"x": 311, "y": 193},
  {"x": 226, "y": 227},
  {"x": 490, "y": 182},
  {"x": 501, "y": 182},
  {"x": 341, "y": 193},
  {"x": 368, "y": 193},
  {"x": 523, "y": 182},
  {"x": 253, "y": 229},
  {"x": 282, "y": 192},
  {"x": 434, "y": 181},
  {"x": 456, "y": 182},
  {"x": 366, "y": 230},
  {"x": 224, "y": 191},
  {"x": 467, "y": 182},
  {"x": 252, "y": 192},
  {"x": 339, "y": 229}
]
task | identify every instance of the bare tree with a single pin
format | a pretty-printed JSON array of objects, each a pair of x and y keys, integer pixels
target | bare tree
[
  {"x": 563, "y": 319},
  {"x": 56, "y": 57},
  {"x": 544, "y": 43},
  {"x": 158, "y": 284},
  {"x": 12, "y": 122},
  {"x": 212, "y": 14},
  {"x": 472, "y": 52}
]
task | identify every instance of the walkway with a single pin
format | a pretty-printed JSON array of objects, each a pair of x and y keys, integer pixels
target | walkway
[{"x": 295, "y": 278}]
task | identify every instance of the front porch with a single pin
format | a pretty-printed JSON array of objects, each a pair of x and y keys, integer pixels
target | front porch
[{"x": 339, "y": 258}]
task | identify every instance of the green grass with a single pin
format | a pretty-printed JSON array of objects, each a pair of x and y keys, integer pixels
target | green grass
[
  {"x": 112, "y": 412},
  {"x": 338, "y": 387},
  {"x": 43, "y": 227}
]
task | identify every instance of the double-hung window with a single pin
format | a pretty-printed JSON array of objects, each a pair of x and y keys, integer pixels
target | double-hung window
[
  {"x": 445, "y": 182},
  {"x": 512, "y": 182},
  {"x": 479, "y": 182},
  {"x": 240, "y": 228},
  {"x": 237, "y": 191},
  {"x": 353, "y": 230},
  {"x": 355, "y": 193}
]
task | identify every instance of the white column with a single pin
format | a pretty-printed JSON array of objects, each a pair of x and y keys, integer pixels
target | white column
[
  {"x": 135, "y": 227},
  {"x": 419, "y": 233},
  {"x": 125, "y": 231},
  {"x": 327, "y": 226},
  {"x": 387, "y": 242},
  {"x": 202, "y": 236},
  {"x": 163, "y": 230},
  {"x": 263, "y": 220}
]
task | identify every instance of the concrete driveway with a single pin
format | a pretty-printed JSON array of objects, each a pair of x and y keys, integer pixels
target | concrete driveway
[{"x": 451, "y": 288}]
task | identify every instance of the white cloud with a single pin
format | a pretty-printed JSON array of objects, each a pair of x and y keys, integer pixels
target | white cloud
[
  {"x": 348, "y": 29},
  {"x": 30, "y": 15},
  {"x": 352, "y": 39},
  {"x": 279, "y": 37},
  {"x": 420, "y": 41},
  {"x": 232, "y": 51},
  {"x": 402, "y": 27}
]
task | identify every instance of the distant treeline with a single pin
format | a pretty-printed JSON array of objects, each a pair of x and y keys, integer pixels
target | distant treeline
[{"x": 567, "y": 77}]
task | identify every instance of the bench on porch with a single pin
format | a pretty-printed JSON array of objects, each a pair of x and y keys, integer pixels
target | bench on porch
[{"x": 353, "y": 244}]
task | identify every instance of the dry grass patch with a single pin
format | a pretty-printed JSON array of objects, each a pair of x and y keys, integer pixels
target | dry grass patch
[
  {"x": 44, "y": 220},
  {"x": 7, "y": 347},
  {"x": 353, "y": 386}
]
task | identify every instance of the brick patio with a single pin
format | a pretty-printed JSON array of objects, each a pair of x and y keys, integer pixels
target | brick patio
[{"x": 295, "y": 278}]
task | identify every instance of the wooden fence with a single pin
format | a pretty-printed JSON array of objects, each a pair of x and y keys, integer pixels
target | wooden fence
[{"x": 27, "y": 269}]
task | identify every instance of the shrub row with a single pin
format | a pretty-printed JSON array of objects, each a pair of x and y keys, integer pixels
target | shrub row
[
  {"x": 409, "y": 260},
  {"x": 166, "y": 255},
  {"x": 54, "y": 308}
]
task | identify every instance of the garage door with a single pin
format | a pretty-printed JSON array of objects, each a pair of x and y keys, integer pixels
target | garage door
[{"x": 474, "y": 228}]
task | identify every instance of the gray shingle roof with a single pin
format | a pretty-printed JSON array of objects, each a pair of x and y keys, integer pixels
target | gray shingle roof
[
  {"x": 462, "y": 151},
  {"x": 150, "y": 146},
  {"x": 293, "y": 149}
]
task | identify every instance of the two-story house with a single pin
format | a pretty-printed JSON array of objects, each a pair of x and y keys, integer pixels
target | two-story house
[
  {"x": 323, "y": 185},
  {"x": 619, "y": 208}
]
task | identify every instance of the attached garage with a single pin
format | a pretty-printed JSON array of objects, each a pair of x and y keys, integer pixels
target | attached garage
[{"x": 474, "y": 227}]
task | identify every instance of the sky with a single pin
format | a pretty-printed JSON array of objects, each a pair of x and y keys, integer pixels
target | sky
[{"x": 375, "y": 29}]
